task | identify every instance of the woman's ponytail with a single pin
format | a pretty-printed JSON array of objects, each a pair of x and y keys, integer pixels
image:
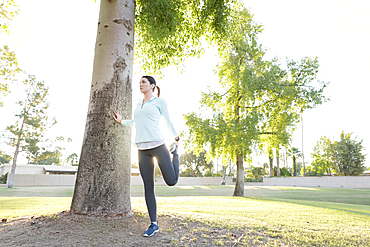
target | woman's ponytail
[{"x": 158, "y": 91}]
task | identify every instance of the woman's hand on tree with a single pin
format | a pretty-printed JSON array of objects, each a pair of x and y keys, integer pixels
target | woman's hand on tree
[{"x": 117, "y": 117}]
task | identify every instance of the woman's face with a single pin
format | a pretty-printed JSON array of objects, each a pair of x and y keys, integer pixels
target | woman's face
[{"x": 145, "y": 85}]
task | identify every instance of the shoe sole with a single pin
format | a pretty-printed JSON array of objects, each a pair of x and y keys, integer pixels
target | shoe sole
[{"x": 148, "y": 236}]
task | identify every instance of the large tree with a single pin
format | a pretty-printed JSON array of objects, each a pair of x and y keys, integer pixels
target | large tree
[
  {"x": 166, "y": 32},
  {"x": 260, "y": 100}
]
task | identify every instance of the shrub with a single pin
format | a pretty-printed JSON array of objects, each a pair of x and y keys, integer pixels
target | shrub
[
  {"x": 3, "y": 178},
  {"x": 283, "y": 172}
]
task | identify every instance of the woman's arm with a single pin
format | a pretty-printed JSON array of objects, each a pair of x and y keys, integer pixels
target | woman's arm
[{"x": 167, "y": 120}]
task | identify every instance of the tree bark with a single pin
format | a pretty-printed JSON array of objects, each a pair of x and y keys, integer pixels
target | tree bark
[
  {"x": 14, "y": 165},
  {"x": 239, "y": 185},
  {"x": 103, "y": 180},
  {"x": 294, "y": 166},
  {"x": 277, "y": 162}
]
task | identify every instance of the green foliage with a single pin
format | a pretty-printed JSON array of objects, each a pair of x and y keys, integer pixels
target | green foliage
[
  {"x": 254, "y": 172},
  {"x": 261, "y": 100},
  {"x": 168, "y": 31},
  {"x": 194, "y": 165},
  {"x": 8, "y": 9},
  {"x": 8, "y": 70},
  {"x": 4, "y": 178},
  {"x": 348, "y": 155},
  {"x": 344, "y": 157},
  {"x": 253, "y": 180},
  {"x": 49, "y": 158},
  {"x": 73, "y": 159},
  {"x": 4, "y": 158},
  {"x": 283, "y": 172},
  {"x": 8, "y": 61},
  {"x": 323, "y": 157},
  {"x": 311, "y": 171}
]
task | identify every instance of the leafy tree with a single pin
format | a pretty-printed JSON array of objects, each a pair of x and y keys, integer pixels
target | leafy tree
[
  {"x": 194, "y": 166},
  {"x": 344, "y": 157},
  {"x": 32, "y": 120},
  {"x": 166, "y": 32},
  {"x": 260, "y": 101},
  {"x": 323, "y": 157},
  {"x": 348, "y": 155}
]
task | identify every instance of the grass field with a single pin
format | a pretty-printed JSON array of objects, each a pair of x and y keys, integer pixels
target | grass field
[{"x": 295, "y": 215}]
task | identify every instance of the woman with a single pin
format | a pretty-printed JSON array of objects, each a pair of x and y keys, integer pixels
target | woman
[{"x": 150, "y": 143}]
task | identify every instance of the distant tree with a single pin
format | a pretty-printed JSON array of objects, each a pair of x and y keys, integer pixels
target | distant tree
[
  {"x": 322, "y": 156},
  {"x": 32, "y": 120},
  {"x": 348, "y": 155},
  {"x": 344, "y": 157},
  {"x": 294, "y": 153},
  {"x": 194, "y": 166}
]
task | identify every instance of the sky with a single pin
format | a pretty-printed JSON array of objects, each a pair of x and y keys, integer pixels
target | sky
[{"x": 55, "y": 40}]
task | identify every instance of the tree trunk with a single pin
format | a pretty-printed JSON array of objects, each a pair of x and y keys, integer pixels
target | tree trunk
[
  {"x": 277, "y": 162},
  {"x": 103, "y": 180},
  {"x": 239, "y": 185},
  {"x": 14, "y": 165},
  {"x": 223, "y": 175},
  {"x": 294, "y": 166},
  {"x": 271, "y": 160}
]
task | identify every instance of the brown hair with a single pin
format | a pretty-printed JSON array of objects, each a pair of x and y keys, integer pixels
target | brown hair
[{"x": 152, "y": 81}]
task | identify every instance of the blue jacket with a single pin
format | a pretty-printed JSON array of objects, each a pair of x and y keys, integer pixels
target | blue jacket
[{"x": 146, "y": 120}]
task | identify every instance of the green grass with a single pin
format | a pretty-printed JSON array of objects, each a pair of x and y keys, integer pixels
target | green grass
[
  {"x": 293, "y": 215},
  {"x": 13, "y": 207}
]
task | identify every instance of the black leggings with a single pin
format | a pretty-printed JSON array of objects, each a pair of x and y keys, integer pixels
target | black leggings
[{"x": 170, "y": 173}]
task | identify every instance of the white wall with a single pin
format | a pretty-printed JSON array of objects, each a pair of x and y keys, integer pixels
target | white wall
[
  {"x": 329, "y": 182},
  {"x": 69, "y": 180},
  {"x": 22, "y": 169}
]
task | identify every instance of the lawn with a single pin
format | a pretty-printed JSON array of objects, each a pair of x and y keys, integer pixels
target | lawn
[{"x": 292, "y": 215}]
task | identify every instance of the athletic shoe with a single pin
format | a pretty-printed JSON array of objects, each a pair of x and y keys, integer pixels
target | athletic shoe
[
  {"x": 153, "y": 228},
  {"x": 172, "y": 147}
]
